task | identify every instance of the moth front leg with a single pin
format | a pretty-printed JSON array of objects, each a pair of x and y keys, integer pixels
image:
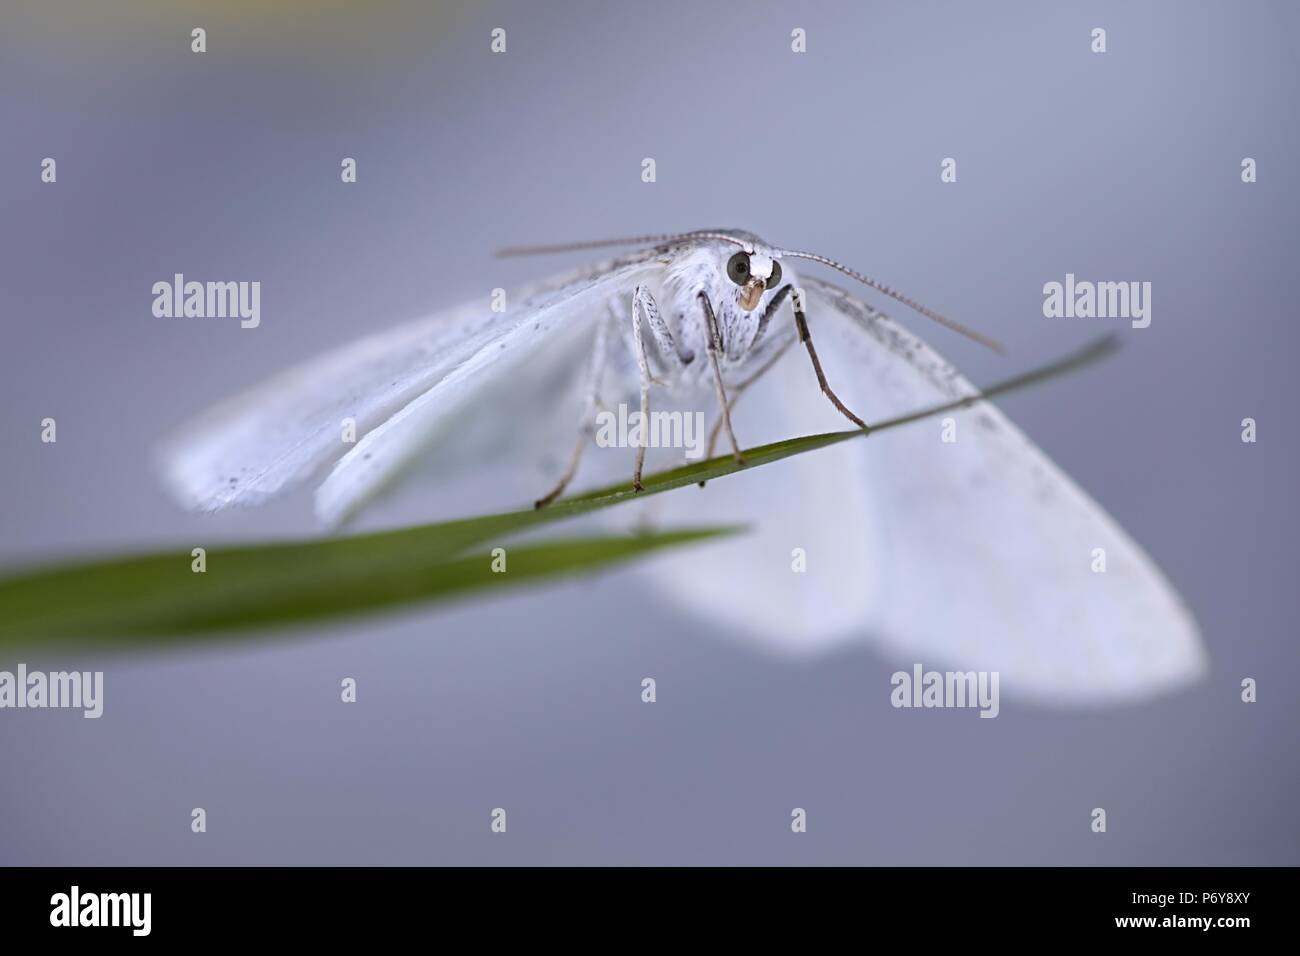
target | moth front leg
[
  {"x": 714, "y": 337},
  {"x": 757, "y": 346},
  {"x": 801, "y": 324},
  {"x": 645, "y": 312},
  {"x": 739, "y": 390}
]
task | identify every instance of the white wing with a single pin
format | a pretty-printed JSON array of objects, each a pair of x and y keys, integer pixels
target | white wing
[
  {"x": 972, "y": 555},
  {"x": 280, "y": 433}
]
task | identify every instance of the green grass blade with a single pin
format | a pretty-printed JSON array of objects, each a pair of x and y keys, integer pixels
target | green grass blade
[{"x": 229, "y": 598}]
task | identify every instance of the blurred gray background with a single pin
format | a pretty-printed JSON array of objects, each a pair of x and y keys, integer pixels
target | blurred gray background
[{"x": 226, "y": 165}]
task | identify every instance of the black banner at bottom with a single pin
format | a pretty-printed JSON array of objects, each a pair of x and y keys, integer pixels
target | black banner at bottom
[{"x": 372, "y": 904}]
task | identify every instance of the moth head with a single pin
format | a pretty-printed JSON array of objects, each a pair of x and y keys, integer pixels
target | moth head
[{"x": 753, "y": 273}]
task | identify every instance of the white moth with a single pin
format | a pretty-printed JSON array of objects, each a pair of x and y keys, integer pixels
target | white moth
[{"x": 976, "y": 553}]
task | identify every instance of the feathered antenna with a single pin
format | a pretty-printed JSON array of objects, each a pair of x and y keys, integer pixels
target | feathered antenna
[
  {"x": 604, "y": 243},
  {"x": 883, "y": 289}
]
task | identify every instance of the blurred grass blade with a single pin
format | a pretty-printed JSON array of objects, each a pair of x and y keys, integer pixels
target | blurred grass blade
[
  {"x": 281, "y": 582},
  {"x": 234, "y": 595}
]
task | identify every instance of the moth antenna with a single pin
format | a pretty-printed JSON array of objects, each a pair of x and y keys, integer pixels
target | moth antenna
[
  {"x": 547, "y": 249},
  {"x": 883, "y": 289}
]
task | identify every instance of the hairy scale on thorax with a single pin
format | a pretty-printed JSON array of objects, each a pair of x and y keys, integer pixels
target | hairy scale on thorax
[{"x": 699, "y": 268}]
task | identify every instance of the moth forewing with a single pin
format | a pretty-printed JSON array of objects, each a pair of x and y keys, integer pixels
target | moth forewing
[{"x": 566, "y": 322}]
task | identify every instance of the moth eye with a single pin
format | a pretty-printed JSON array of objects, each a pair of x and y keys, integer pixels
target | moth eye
[
  {"x": 738, "y": 268},
  {"x": 775, "y": 277}
]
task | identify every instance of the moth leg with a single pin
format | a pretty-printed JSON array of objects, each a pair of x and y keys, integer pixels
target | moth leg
[
  {"x": 714, "y": 337},
  {"x": 587, "y": 423},
  {"x": 643, "y": 303},
  {"x": 801, "y": 323},
  {"x": 659, "y": 331},
  {"x": 739, "y": 390}
]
